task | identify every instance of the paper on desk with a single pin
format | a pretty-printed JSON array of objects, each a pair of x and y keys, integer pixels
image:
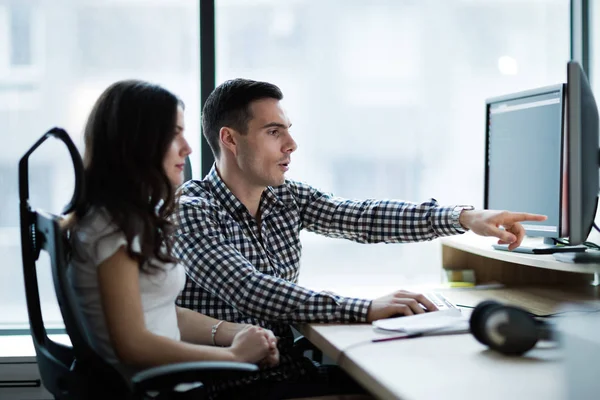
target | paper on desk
[{"x": 438, "y": 321}]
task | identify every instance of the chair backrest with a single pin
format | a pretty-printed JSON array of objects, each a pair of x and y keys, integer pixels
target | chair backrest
[
  {"x": 77, "y": 372},
  {"x": 187, "y": 170}
]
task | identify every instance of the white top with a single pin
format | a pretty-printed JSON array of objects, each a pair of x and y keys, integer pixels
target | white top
[{"x": 94, "y": 239}]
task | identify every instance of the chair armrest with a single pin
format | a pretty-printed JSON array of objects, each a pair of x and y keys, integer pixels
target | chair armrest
[
  {"x": 168, "y": 376},
  {"x": 302, "y": 344}
]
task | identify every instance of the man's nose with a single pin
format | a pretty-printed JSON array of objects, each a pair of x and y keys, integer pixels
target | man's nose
[{"x": 291, "y": 146}]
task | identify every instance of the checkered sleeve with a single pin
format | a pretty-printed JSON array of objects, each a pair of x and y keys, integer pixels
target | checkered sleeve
[
  {"x": 214, "y": 264},
  {"x": 373, "y": 221}
]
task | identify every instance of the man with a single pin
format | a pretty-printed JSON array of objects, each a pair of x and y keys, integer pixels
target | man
[{"x": 239, "y": 232}]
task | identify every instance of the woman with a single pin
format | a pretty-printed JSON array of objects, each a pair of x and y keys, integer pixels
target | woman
[{"x": 123, "y": 271}]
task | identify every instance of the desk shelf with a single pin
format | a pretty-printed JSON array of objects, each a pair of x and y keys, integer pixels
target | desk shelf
[{"x": 470, "y": 251}]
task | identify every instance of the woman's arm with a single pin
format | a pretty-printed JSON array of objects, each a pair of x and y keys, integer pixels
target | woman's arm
[
  {"x": 118, "y": 279},
  {"x": 196, "y": 328}
]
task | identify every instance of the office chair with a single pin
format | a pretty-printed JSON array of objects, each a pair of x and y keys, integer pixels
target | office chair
[
  {"x": 187, "y": 170},
  {"x": 78, "y": 372}
]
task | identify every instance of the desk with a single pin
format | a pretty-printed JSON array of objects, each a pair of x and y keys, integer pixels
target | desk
[
  {"x": 470, "y": 251},
  {"x": 457, "y": 366},
  {"x": 449, "y": 366}
]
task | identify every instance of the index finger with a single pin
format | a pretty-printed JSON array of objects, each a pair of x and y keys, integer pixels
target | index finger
[
  {"x": 518, "y": 217},
  {"x": 426, "y": 302}
]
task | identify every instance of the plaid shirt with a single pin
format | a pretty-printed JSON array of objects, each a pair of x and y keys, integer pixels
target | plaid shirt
[{"x": 240, "y": 272}]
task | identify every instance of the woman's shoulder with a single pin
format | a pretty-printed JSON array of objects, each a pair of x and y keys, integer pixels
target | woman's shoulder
[
  {"x": 96, "y": 222},
  {"x": 96, "y": 237}
]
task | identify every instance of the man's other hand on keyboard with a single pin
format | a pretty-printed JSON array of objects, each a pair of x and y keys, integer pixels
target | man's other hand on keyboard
[{"x": 399, "y": 303}]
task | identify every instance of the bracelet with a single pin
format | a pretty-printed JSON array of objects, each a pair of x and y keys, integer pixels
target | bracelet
[{"x": 213, "y": 332}]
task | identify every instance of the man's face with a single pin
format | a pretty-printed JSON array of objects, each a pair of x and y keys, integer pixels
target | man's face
[{"x": 264, "y": 151}]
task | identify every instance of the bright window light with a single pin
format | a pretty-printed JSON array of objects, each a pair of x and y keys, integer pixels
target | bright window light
[{"x": 508, "y": 65}]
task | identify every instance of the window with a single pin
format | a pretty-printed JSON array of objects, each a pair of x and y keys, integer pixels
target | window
[
  {"x": 387, "y": 100},
  {"x": 55, "y": 60},
  {"x": 20, "y": 34}
]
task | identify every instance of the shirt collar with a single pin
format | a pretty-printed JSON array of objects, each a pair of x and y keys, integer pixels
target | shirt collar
[
  {"x": 269, "y": 200},
  {"x": 222, "y": 192}
]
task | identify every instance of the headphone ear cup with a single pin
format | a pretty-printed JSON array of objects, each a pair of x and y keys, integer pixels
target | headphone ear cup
[
  {"x": 476, "y": 322},
  {"x": 509, "y": 330}
]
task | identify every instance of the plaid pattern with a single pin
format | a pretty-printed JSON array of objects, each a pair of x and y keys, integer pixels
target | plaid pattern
[{"x": 240, "y": 272}]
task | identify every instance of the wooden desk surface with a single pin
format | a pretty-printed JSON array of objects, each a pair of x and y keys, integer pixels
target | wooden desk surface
[
  {"x": 450, "y": 366},
  {"x": 482, "y": 246}
]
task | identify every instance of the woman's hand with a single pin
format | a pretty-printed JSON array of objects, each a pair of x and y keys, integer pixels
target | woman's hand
[
  {"x": 272, "y": 358},
  {"x": 254, "y": 344}
]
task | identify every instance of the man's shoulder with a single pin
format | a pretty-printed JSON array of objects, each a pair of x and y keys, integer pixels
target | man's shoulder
[
  {"x": 197, "y": 194},
  {"x": 295, "y": 191},
  {"x": 293, "y": 188}
]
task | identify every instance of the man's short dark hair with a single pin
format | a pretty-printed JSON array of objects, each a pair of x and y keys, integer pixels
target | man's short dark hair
[{"x": 229, "y": 105}]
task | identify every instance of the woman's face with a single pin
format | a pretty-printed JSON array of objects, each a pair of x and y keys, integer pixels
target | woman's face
[{"x": 177, "y": 152}]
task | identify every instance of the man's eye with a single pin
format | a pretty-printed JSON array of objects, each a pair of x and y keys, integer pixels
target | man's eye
[{"x": 275, "y": 132}]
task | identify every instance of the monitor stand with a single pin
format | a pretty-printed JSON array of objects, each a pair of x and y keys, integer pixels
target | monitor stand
[
  {"x": 547, "y": 246},
  {"x": 589, "y": 257}
]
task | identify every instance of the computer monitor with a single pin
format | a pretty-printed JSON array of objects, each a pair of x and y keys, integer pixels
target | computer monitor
[
  {"x": 583, "y": 155},
  {"x": 542, "y": 156},
  {"x": 525, "y": 162}
]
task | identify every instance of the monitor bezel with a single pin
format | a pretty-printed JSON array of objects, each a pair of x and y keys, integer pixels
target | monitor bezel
[{"x": 577, "y": 84}]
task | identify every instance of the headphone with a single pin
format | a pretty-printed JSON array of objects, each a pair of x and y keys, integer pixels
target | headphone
[{"x": 507, "y": 329}]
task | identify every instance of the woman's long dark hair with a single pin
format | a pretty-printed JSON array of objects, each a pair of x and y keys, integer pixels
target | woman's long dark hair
[{"x": 127, "y": 135}]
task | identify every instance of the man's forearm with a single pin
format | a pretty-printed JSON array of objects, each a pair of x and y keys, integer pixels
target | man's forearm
[
  {"x": 328, "y": 307},
  {"x": 378, "y": 221}
]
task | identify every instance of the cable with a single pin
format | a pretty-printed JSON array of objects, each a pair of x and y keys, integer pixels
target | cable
[
  {"x": 590, "y": 245},
  {"x": 352, "y": 346},
  {"x": 431, "y": 331},
  {"x": 596, "y": 227},
  {"x": 595, "y": 310},
  {"x": 565, "y": 312},
  {"x": 564, "y": 242}
]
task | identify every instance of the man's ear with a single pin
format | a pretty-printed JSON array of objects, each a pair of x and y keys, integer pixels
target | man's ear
[{"x": 228, "y": 139}]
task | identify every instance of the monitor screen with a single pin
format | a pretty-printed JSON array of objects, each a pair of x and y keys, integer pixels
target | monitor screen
[{"x": 525, "y": 168}]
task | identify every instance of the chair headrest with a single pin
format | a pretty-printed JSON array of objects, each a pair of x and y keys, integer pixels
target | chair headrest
[{"x": 78, "y": 191}]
